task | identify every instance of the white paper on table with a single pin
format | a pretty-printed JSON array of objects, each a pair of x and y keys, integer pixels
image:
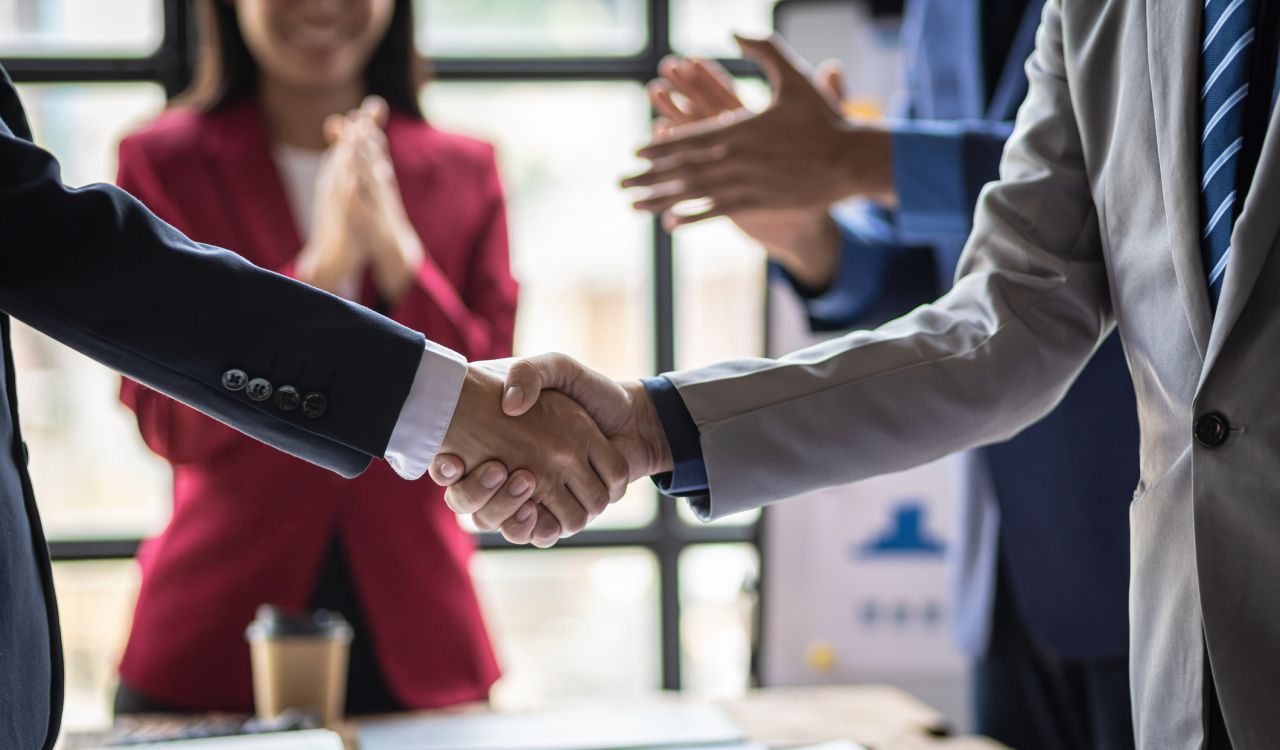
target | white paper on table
[
  {"x": 672, "y": 727},
  {"x": 311, "y": 739}
]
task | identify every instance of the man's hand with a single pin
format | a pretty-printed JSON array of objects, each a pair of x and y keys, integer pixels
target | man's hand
[
  {"x": 804, "y": 240},
  {"x": 800, "y": 152},
  {"x": 574, "y": 472},
  {"x": 623, "y": 412}
]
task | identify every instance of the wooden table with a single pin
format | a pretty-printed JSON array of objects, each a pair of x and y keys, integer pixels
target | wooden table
[{"x": 882, "y": 718}]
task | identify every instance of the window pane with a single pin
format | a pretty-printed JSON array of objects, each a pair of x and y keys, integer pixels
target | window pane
[
  {"x": 582, "y": 256},
  {"x": 95, "y": 601},
  {"x": 70, "y": 413},
  {"x": 720, "y": 293},
  {"x": 83, "y": 124},
  {"x": 72, "y": 418},
  {"x": 571, "y": 624},
  {"x": 706, "y": 27},
  {"x": 79, "y": 27},
  {"x": 718, "y": 585},
  {"x": 720, "y": 281},
  {"x": 514, "y": 28}
]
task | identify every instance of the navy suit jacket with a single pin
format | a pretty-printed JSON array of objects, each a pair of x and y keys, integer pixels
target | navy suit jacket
[
  {"x": 1063, "y": 486},
  {"x": 94, "y": 269}
]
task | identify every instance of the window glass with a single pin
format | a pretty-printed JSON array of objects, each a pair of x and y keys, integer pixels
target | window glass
[
  {"x": 720, "y": 281},
  {"x": 95, "y": 603},
  {"x": 82, "y": 124},
  {"x": 513, "y": 28},
  {"x": 720, "y": 285},
  {"x": 718, "y": 599},
  {"x": 33, "y": 28},
  {"x": 572, "y": 624},
  {"x": 706, "y": 27},
  {"x": 93, "y": 476}
]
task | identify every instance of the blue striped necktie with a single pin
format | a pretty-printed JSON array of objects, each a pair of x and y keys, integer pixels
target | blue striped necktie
[{"x": 1228, "y": 32}]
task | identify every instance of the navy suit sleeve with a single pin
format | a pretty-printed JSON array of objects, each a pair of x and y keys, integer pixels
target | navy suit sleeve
[
  {"x": 688, "y": 476},
  {"x": 94, "y": 269},
  {"x": 939, "y": 168},
  {"x": 878, "y": 278}
]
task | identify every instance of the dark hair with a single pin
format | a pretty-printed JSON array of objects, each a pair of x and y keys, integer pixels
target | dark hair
[{"x": 225, "y": 69}]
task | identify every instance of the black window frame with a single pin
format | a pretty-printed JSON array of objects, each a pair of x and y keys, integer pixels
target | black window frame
[{"x": 667, "y": 536}]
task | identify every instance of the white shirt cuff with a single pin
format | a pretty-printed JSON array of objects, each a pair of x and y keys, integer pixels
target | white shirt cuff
[{"x": 427, "y": 412}]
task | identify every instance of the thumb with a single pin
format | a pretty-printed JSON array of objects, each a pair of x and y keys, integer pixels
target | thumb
[
  {"x": 528, "y": 378},
  {"x": 446, "y": 469},
  {"x": 830, "y": 80},
  {"x": 780, "y": 63}
]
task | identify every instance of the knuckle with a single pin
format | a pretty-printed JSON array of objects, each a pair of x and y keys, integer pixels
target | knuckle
[
  {"x": 573, "y": 518},
  {"x": 463, "y": 500},
  {"x": 599, "y": 500}
]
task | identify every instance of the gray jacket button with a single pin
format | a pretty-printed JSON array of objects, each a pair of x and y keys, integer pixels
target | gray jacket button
[
  {"x": 287, "y": 398},
  {"x": 259, "y": 389},
  {"x": 234, "y": 380},
  {"x": 314, "y": 404}
]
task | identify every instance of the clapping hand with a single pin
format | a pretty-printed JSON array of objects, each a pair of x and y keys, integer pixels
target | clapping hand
[
  {"x": 803, "y": 239},
  {"x": 621, "y": 413},
  {"x": 360, "y": 219},
  {"x": 798, "y": 153}
]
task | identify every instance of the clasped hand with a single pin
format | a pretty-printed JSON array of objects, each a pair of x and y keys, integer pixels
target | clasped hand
[
  {"x": 360, "y": 220},
  {"x": 574, "y": 450}
]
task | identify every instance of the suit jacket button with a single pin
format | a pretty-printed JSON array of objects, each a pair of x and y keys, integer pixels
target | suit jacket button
[
  {"x": 234, "y": 380},
  {"x": 259, "y": 389},
  {"x": 1212, "y": 429},
  {"x": 287, "y": 398},
  {"x": 314, "y": 404}
]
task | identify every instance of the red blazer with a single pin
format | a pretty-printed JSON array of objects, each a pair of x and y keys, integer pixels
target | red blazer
[{"x": 251, "y": 524}]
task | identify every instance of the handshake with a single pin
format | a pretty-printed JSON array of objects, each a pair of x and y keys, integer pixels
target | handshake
[{"x": 539, "y": 447}]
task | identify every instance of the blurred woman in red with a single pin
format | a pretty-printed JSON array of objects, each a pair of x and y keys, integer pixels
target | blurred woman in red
[{"x": 301, "y": 143}]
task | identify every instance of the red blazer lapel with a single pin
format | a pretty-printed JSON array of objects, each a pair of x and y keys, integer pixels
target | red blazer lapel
[{"x": 252, "y": 187}]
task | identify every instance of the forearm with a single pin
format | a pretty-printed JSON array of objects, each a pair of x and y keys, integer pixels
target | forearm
[
  {"x": 176, "y": 315},
  {"x": 876, "y": 278},
  {"x": 866, "y": 163}
]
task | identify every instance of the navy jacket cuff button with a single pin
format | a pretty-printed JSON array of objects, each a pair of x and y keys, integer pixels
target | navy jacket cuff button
[
  {"x": 287, "y": 398},
  {"x": 234, "y": 380},
  {"x": 314, "y": 404},
  {"x": 259, "y": 389}
]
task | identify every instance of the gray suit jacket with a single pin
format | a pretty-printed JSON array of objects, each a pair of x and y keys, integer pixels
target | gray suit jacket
[{"x": 1094, "y": 222}]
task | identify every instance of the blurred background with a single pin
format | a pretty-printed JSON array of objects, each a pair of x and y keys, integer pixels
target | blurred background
[{"x": 647, "y": 599}]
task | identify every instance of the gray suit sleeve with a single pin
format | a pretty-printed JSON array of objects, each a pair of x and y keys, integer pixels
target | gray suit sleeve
[{"x": 1029, "y": 307}]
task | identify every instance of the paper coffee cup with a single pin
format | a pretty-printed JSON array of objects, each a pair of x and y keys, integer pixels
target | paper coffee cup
[{"x": 299, "y": 662}]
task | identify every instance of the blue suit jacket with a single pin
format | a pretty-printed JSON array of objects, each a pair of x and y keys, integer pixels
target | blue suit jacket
[
  {"x": 94, "y": 269},
  {"x": 1063, "y": 486}
]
